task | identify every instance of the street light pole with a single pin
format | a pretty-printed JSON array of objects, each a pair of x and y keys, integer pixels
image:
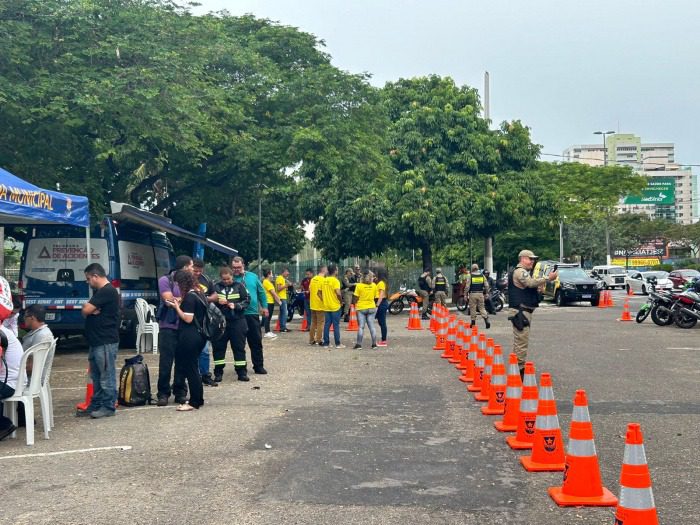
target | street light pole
[
  {"x": 561, "y": 241},
  {"x": 260, "y": 188},
  {"x": 608, "y": 259}
]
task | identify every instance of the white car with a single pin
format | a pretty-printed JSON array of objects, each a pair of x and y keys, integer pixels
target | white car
[{"x": 641, "y": 282}]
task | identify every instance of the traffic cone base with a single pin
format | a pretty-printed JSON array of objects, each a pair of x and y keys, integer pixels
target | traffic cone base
[
  {"x": 492, "y": 411},
  {"x": 515, "y": 444},
  {"x": 555, "y": 441},
  {"x": 89, "y": 391},
  {"x": 503, "y": 427},
  {"x": 608, "y": 499},
  {"x": 277, "y": 325}
]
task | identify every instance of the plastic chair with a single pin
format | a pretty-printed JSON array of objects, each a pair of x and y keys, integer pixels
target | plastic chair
[
  {"x": 25, "y": 394},
  {"x": 46, "y": 397},
  {"x": 147, "y": 326}
]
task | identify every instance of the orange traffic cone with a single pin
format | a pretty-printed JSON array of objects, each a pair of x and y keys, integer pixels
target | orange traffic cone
[
  {"x": 89, "y": 390},
  {"x": 497, "y": 390},
  {"x": 525, "y": 432},
  {"x": 468, "y": 375},
  {"x": 456, "y": 358},
  {"x": 433, "y": 320},
  {"x": 441, "y": 332},
  {"x": 479, "y": 365},
  {"x": 483, "y": 394},
  {"x": 603, "y": 299},
  {"x": 582, "y": 484},
  {"x": 451, "y": 338},
  {"x": 636, "y": 506},
  {"x": 610, "y": 299},
  {"x": 626, "y": 316},
  {"x": 547, "y": 446},
  {"x": 277, "y": 325},
  {"x": 414, "y": 318},
  {"x": 462, "y": 345},
  {"x": 629, "y": 291},
  {"x": 304, "y": 324},
  {"x": 352, "y": 323},
  {"x": 514, "y": 388}
]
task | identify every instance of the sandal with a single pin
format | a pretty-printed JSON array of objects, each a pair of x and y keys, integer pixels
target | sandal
[{"x": 185, "y": 407}]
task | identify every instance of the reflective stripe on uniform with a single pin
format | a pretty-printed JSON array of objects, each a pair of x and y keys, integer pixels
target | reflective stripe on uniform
[
  {"x": 240, "y": 363},
  {"x": 219, "y": 362},
  {"x": 634, "y": 455},
  {"x": 581, "y": 447},
  {"x": 636, "y": 499},
  {"x": 547, "y": 422}
]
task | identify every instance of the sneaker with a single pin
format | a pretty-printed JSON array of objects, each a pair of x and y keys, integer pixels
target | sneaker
[
  {"x": 285, "y": 330},
  {"x": 208, "y": 381},
  {"x": 260, "y": 370},
  {"x": 184, "y": 407},
  {"x": 357, "y": 347},
  {"x": 162, "y": 401},
  {"x": 340, "y": 346},
  {"x": 381, "y": 343},
  {"x": 84, "y": 413},
  {"x": 102, "y": 412},
  {"x": 270, "y": 335},
  {"x": 312, "y": 343},
  {"x": 374, "y": 346}
]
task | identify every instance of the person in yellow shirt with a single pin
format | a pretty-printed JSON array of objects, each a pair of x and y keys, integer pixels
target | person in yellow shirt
[
  {"x": 382, "y": 280},
  {"x": 363, "y": 299},
  {"x": 316, "y": 306},
  {"x": 331, "y": 305},
  {"x": 272, "y": 299},
  {"x": 281, "y": 284}
]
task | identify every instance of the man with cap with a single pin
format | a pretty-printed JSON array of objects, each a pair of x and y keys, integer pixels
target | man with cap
[
  {"x": 523, "y": 298},
  {"x": 440, "y": 285},
  {"x": 476, "y": 286}
]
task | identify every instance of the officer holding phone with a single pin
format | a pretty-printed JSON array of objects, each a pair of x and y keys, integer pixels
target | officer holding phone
[{"x": 523, "y": 298}]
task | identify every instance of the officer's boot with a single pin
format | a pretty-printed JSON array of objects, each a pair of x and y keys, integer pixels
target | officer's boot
[
  {"x": 488, "y": 325},
  {"x": 208, "y": 380},
  {"x": 218, "y": 374},
  {"x": 473, "y": 324},
  {"x": 242, "y": 374}
]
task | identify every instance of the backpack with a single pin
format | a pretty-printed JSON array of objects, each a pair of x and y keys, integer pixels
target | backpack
[
  {"x": 134, "y": 383},
  {"x": 213, "y": 324}
]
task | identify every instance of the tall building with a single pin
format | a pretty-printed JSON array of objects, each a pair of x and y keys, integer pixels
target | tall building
[{"x": 671, "y": 190}]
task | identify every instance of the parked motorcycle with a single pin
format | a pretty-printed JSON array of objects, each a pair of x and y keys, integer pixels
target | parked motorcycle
[
  {"x": 403, "y": 299},
  {"x": 494, "y": 302},
  {"x": 687, "y": 313},
  {"x": 295, "y": 303},
  {"x": 662, "y": 307}
]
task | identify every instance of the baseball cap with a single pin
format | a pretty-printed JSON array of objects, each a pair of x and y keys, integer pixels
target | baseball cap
[
  {"x": 527, "y": 253},
  {"x": 475, "y": 267}
]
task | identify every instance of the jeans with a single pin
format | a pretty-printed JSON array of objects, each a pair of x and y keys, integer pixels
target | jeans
[
  {"x": 381, "y": 317},
  {"x": 307, "y": 311},
  {"x": 283, "y": 315},
  {"x": 204, "y": 361},
  {"x": 366, "y": 317},
  {"x": 334, "y": 319},
  {"x": 103, "y": 373}
]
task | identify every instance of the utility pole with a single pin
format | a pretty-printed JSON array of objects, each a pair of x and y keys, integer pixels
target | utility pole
[{"x": 488, "y": 242}]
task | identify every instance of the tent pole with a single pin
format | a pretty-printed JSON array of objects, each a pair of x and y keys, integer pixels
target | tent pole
[{"x": 88, "y": 255}]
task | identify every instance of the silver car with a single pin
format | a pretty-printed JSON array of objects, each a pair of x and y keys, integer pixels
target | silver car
[{"x": 644, "y": 282}]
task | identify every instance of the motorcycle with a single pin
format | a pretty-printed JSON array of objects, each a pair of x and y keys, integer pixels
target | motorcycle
[
  {"x": 403, "y": 299},
  {"x": 295, "y": 302},
  {"x": 494, "y": 302},
  {"x": 663, "y": 307},
  {"x": 687, "y": 313}
]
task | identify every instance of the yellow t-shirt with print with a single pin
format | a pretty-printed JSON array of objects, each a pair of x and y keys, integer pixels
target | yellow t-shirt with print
[
  {"x": 365, "y": 294},
  {"x": 280, "y": 281},
  {"x": 381, "y": 286},
  {"x": 316, "y": 285},
  {"x": 267, "y": 286},
  {"x": 331, "y": 303}
]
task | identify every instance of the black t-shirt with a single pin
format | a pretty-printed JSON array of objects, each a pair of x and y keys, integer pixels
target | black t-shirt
[
  {"x": 103, "y": 329},
  {"x": 191, "y": 304}
]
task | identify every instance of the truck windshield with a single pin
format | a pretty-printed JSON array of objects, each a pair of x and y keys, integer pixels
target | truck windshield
[{"x": 572, "y": 273}]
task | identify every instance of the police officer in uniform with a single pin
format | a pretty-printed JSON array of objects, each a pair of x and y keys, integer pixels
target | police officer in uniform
[
  {"x": 440, "y": 286},
  {"x": 425, "y": 286},
  {"x": 476, "y": 287},
  {"x": 523, "y": 298},
  {"x": 232, "y": 299}
]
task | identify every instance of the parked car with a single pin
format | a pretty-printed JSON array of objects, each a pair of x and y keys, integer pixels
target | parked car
[
  {"x": 680, "y": 278},
  {"x": 645, "y": 282},
  {"x": 573, "y": 284},
  {"x": 612, "y": 276}
]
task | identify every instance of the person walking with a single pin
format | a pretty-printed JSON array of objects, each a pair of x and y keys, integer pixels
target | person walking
[
  {"x": 440, "y": 285},
  {"x": 272, "y": 300},
  {"x": 476, "y": 287},
  {"x": 382, "y": 279},
  {"x": 281, "y": 285},
  {"x": 348, "y": 288},
  {"x": 316, "y": 306},
  {"x": 523, "y": 299},
  {"x": 232, "y": 300},
  {"x": 363, "y": 299},
  {"x": 256, "y": 308},
  {"x": 425, "y": 286},
  {"x": 102, "y": 315},
  {"x": 330, "y": 293},
  {"x": 305, "y": 284},
  {"x": 190, "y": 309}
]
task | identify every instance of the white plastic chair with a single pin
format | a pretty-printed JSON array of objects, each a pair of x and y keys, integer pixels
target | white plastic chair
[
  {"x": 25, "y": 394},
  {"x": 46, "y": 397},
  {"x": 145, "y": 327}
]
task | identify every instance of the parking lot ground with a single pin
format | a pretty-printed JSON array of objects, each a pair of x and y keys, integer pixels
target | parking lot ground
[{"x": 385, "y": 436}]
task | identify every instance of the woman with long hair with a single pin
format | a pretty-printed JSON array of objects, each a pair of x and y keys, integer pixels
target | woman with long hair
[
  {"x": 191, "y": 310},
  {"x": 382, "y": 281},
  {"x": 363, "y": 298}
]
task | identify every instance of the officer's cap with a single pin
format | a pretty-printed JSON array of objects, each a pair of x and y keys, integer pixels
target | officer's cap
[
  {"x": 438, "y": 270},
  {"x": 475, "y": 267},
  {"x": 527, "y": 253}
]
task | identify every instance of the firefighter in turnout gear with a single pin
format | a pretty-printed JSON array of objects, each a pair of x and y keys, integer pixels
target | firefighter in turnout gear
[
  {"x": 440, "y": 285},
  {"x": 232, "y": 299},
  {"x": 523, "y": 298},
  {"x": 477, "y": 286}
]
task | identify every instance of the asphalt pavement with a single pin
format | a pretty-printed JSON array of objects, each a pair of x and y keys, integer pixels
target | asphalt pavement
[{"x": 386, "y": 436}]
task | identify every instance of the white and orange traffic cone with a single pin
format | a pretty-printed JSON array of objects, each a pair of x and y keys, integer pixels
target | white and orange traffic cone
[
  {"x": 547, "y": 446},
  {"x": 514, "y": 389}
]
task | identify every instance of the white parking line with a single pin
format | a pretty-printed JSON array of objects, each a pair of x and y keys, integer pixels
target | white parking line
[
  {"x": 681, "y": 348},
  {"x": 62, "y": 452}
]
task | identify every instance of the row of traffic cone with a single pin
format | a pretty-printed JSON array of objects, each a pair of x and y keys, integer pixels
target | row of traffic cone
[
  {"x": 531, "y": 413},
  {"x": 605, "y": 300},
  {"x": 353, "y": 325}
]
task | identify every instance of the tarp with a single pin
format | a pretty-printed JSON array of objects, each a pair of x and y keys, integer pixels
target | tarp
[
  {"x": 128, "y": 213},
  {"x": 24, "y": 203}
]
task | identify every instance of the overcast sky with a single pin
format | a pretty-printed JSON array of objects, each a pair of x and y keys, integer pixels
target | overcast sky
[{"x": 564, "y": 68}]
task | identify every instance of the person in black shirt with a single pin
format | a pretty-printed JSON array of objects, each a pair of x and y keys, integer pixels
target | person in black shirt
[
  {"x": 191, "y": 310},
  {"x": 207, "y": 287},
  {"x": 102, "y": 316}
]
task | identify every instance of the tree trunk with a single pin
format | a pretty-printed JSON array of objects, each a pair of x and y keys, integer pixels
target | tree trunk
[{"x": 427, "y": 255}]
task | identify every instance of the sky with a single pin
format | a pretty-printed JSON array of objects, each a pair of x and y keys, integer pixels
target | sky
[{"x": 564, "y": 68}]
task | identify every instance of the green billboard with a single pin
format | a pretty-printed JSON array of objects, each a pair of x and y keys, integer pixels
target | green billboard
[{"x": 658, "y": 191}]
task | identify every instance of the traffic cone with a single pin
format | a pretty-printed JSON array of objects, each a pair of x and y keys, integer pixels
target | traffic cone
[
  {"x": 304, "y": 325},
  {"x": 441, "y": 332},
  {"x": 629, "y": 291},
  {"x": 352, "y": 326},
  {"x": 451, "y": 338},
  {"x": 277, "y": 325},
  {"x": 468, "y": 375},
  {"x": 497, "y": 389},
  {"x": 603, "y": 299},
  {"x": 514, "y": 388},
  {"x": 414, "y": 318},
  {"x": 479, "y": 365},
  {"x": 582, "y": 485},
  {"x": 636, "y": 506},
  {"x": 462, "y": 345},
  {"x": 483, "y": 394},
  {"x": 525, "y": 432},
  {"x": 89, "y": 390},
  {"x": 626, "y": 316},
  {"x": 547, "y": 447},
  {"x": 433, "y": 320},
  {"x": 610, "y": 299}
]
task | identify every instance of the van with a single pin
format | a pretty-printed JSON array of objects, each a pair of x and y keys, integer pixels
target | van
[
  {"x": 54, "y": 259},
  {"x": 612, "y": 276}
]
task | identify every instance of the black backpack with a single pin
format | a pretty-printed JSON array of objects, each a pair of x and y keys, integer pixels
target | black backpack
[
  {"x": 213, "y": 324},
  {"x": 134, "y": 383}
]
